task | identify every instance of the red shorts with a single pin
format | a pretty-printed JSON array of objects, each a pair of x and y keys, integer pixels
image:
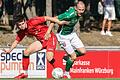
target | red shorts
[{"x": 50, "y": 44}]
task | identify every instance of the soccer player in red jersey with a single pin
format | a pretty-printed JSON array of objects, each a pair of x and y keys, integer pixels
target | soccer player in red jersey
[{"x": 35, "y": 27}]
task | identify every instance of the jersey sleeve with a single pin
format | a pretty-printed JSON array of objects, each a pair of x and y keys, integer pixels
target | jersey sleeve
[
  {"x": 36, "y": 21},
  {"x": 67, "y": 15},
  {"x": 20, "y": 35}
]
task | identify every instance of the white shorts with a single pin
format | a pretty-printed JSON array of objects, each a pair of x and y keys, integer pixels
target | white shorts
[
  {"x": 70, "y": 42},
  {"x": 109, "y": 13}
]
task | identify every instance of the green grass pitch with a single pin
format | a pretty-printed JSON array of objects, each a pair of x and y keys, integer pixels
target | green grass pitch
[{"x": 66, "y": 79}]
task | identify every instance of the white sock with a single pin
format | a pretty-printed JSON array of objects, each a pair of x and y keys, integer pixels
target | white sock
[
  {"x": 25, "y": 72},
  {"x": 66, "y": 72}
]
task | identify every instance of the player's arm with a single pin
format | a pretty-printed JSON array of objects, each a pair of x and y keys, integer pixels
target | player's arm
[
  {"x": 60, "y": 17},
  {"x": 47, "y": 35},
  {"x": 54, "y": 19},
  {"x": 19, "y": 37},
  {"x": 40, "y": 20},
  {"x": 65, "y": 16},
  {"x": 36, "y": 21},
  {"x": 14, "y": 44}
]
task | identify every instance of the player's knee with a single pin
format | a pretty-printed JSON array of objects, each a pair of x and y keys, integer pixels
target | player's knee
[
  {"x": 49, "y": 56},
  {"x": 83, "y": 51},
  {"x": 26, "y": 53},
  {"x": 73, "y": 56}
]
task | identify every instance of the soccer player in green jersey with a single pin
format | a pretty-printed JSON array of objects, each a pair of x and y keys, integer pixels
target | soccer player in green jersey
[{"x": 67, "y": 38}]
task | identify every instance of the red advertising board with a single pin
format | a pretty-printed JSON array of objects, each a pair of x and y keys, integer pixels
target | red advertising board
[{"x": 95, "y": 64}]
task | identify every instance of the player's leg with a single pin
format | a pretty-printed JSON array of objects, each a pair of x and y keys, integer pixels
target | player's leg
[
  {"x": 66, "y": 45},
  {"x": 77, "y": 43},
  {"x": 50, "y": 58},
  {"x": 69, "y": 61},
  {"x": 80, "y": 51},
  {"x": 51, "y": 46},
  {"x": 35, "y": 46}
]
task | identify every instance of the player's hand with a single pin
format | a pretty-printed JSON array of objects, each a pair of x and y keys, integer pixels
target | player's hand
[
  {"x": 47, "y": 36},
  {"x": 6, "y": 51},
  {"x": 64, "y": 22}
]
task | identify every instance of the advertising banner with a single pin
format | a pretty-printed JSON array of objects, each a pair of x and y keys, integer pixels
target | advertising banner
[
  {"x": 11, "y": 65},
  {"x": 95, "y": 64}
]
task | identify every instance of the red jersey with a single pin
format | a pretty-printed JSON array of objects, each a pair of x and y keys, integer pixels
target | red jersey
[{"x": 35, "y": 27}]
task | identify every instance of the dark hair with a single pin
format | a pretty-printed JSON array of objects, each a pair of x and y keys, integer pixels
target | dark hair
[{"x": 18, "y": 18}]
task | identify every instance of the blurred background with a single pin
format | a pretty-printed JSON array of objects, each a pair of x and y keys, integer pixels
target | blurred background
[{"x": 88, "y": 26}]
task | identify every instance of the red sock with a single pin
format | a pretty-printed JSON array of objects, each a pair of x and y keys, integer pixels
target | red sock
[{"x": 25, "y": 63}]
